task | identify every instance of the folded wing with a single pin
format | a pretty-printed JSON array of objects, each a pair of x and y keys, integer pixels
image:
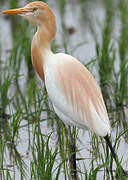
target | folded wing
[{"x": 83, "y": 94}]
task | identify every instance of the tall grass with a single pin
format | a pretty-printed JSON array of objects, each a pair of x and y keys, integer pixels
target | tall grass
[{"x": 25, "y": 106}]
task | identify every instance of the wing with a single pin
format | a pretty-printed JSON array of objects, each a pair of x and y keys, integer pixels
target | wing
[{"x": 78, "y": 95}]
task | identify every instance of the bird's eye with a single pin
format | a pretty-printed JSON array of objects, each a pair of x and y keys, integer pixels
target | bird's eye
[{"x": 34, "y": 9}]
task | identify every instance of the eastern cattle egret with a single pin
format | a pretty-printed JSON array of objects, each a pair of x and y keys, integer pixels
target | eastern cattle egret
[{"x": 74, "y": 93}]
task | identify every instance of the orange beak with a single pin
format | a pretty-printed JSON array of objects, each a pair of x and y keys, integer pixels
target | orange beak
[{"x": 17, "y": 11}]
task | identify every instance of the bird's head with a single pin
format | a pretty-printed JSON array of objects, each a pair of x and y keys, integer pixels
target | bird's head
[{"x": 36, "y": 12}]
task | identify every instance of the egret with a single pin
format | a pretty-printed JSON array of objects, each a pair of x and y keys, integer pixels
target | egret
[{"x": 74, "y": 93}]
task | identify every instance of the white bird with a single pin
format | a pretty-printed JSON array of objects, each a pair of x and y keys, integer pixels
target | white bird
[{"x": 75, "y": 94}]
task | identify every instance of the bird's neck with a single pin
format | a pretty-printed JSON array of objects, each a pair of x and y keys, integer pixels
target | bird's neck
[
  {"x": 43, "y": 39},
  {"x": 40, "y": 50}
]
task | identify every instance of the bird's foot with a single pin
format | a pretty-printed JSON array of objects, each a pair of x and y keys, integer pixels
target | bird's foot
[{"x": 121, "y": 174}]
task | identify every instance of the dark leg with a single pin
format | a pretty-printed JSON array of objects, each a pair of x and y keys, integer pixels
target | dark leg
[
  {"x": 113, "y": 153},
  {"x": 73, "y": 157}
]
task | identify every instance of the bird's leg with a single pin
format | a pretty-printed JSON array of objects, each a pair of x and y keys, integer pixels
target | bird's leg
[
  {"x": 73, "y": 156},
  {"x": 114, "y": 155}
]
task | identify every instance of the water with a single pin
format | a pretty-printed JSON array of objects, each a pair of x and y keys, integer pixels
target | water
[{"x": 5, "y": 38}]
